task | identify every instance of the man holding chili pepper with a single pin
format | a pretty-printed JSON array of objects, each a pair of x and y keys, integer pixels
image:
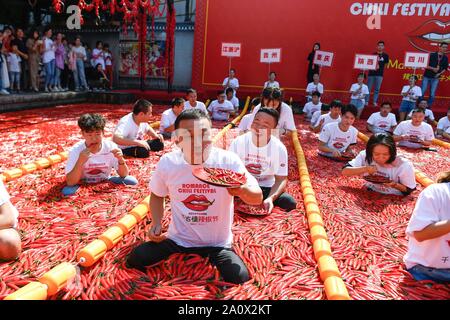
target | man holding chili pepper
[
  {"x": 265, "y": 157},
  {"x": 202, "y": 214}
]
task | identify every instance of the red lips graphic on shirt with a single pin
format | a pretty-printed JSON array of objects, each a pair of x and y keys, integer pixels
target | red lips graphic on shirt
[
  {"x": 338, "y": 145},
  {"x": 254, "y": 168},
  {"x": 94, "y": 172},
  {"x": 382, "y": 125},
  {"x": 197, "y": 203},
  {"x": 427, "y": 36}
]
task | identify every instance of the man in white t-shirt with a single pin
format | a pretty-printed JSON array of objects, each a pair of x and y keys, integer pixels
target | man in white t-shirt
[
  {"x": 167, "y": 123},
  {"x": 10, "y": 243},
  {"x": 232, "y": 99},
  {"x": 429, "y": 116},
  {"x": 192, "y": 103},
  {"x": 231, "y": 81},
  {"x": 313, "y": 87},
  {"x": 131, "y": 131},
  {"x": 202, "y": 214},
  {"x": 428, "y": 256},
  {"x": 337, "y": 138},
  {"x": 266, "y": 158},
  {"x": 312, "y": 106},
  {"x": 359, "y": 91},
  {"x": 92, "y": 159},
  {"x": 383, "y": 121},
  {"x": 333, "y": 116},
  {"x": 443, "y": 124},
  {"x": 272, "y": 83},
  {"x": 414, "y": 133},
  {"x": 221, "y": 108},
  {"x": 316, "y": 115}
]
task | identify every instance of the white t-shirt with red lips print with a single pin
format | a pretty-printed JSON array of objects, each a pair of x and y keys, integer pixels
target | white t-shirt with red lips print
[
  {"x": 202, "y": 214},
  {"x": 263, "y": 163},
  {"x": 337, "y": 139},
  {"x": 99, "y": 165}
]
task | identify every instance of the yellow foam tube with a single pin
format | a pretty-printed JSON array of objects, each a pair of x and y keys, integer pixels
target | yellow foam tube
[
  {"x": 127, "y": 223},
  {"x": 441, "y": 143},
  {"x": 54, "y": 159},
  {"x": 328, "y": 267},
  {"x": 155, "y": 125},
  {"x": 42, "y": 163},
  {"x": 28, "y": 168},
  {"x": 12, "y": 174},
  {"x": 32, "y": 291},
  {"x": 363, "y": 137},
  {"x": 57, "y": 278},
  {"x": 309, "y": 198},
  {"x": 111, "y": 236},
  {"x": 64, "y": 155},
  {"x": 141, "y": 210},
  {"x": 318, "y": 232},
  {"x": 2, "y": 177},
  {"x": 313, "y": 208},
  {"x": 92, "y": 253},
  {"x": 315, "y": 219},
  {"x": 422, "y": 178},
  {"x": 335, "y": 289},
  {"x": 321, "y": 247}
]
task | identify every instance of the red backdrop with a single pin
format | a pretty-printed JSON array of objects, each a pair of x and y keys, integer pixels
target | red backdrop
[{"x": 295, "y": 25}]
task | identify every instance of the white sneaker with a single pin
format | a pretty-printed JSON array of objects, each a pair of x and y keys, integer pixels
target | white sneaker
[
  {"x": 47, "y": 90},
  {"x": 4, "y": 92}
]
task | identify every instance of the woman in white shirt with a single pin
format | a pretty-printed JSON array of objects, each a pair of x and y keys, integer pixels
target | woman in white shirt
[
  {"x": 10, "y": 244},
  {"x": 410, "y": 95},
  {"x": 98, "y": 56},
  {"x": 428, "y": 256},
  {"x": 272, "y": 83},
  {"x": 231, "y": 81},
  {"x": 48, "y": 58},
  {"x": 380, "y": 158},
  {"x": 78, "y": 73},
  {"x": 359, "y": 91}
]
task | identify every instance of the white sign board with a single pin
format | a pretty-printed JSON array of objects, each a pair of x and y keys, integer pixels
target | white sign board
[
  {"x": 231, "y": 49},
  {"x": 270, "y": 55},
  {"x": 366, "y": 62},
  {"x": 416, "y": 60},
  {"x": 323, "y": 58}
]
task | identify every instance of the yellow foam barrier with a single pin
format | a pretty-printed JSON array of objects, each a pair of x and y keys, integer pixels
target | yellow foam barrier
[
  {"x": 111, "y": 236},
  {"x": 12, "y": 174},
  {"x": 321, "y": 247},
  {"x": 441, "y": 143},
  {"x": 92, "y": 253},
  {"x": 28, "y": 168},
  {"x": 328, "y": 267},
  {"x": 335, "y": 288},
  {"x": 57, "y": 278},
  {"x": 32, "y": 291}
]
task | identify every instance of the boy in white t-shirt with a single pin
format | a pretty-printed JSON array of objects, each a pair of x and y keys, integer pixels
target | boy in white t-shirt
[
  {"x": 428, "y": 256},
  {"x": 272, "y": 83},
  {"x": 98, "y": 56},
  {"x": 443, "y": 124},
  {"x": 414, "y": 133},
  {"x": 312, "y": 106},
  {"x": 383, "y": 121},
  {"x": 92, "y": 159},
  {"x": 231, "y": 81},
  {"x": 221, "y": 108},
  {"x": 333, "y": 116},
  {"x": 202, "y": 214},
  {"x": 316, "y": 115},
  {"x": 192, "y": 103},
  {"x": 167, "y": 123},
  {"x": 359, "y": 91},
  {"x": 10, "y": 243},
  {"x": 337, "y": 138},
  {"x": 446, "y": 134},
  {"x": 314, "y": 86},
  {"x": 266, "y": 158},
  {"x": 14, "y": 61},
  {"x": 410, "y": 95},
  {"x": 246, "y": 121},
  {"x": 429, "y": 116},
  {"x": 231, "y": 98},
  {"x": 131, "y": 131}
]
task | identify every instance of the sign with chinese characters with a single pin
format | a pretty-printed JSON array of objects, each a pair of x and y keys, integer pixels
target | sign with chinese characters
[
  {"x": 270, "y": 55},
  {"x": 231, "y": 49},
  {"x": 323, "y": 58},
  {"x": 416, "y": 60},
  {"x": 365, "y": 62}
]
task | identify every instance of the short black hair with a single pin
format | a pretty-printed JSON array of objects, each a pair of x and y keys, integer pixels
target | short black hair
[
  {"x": 232, "y": 69},
  {"x": 272, "y": 72},
  {"x": 414, "y": 76},
  {"x": 90, "y": 122},
  {"x": 191, "y": 114},
  {"x": 229, "y": 90},
  {"x": 325, "y": 107},
  {"x": 256, "y": 101},
  {"x": 272, "y": 112},
  {"x": 316, "y": 93},
  {"x": 381, "y": 42},
  {"x": 386, "y": 103},
  {"x": 47, "y": 28},
  {"x": 188, "y": 91},
  {"x": 220, "y": 92},
  {"x": 362, "y": 74},
  {"x": 415, "y": 110},
  {"x": 176, "y": 101},
  {"x": 336, "y": 104},
  {"x": 141, "y": 105},
  {"x": 266, "y": 93},
  {"x": 384, "y": 139},
  {"x": 106, "y": 45},
  {"x": 350, "y": 108},
  {"x": 98, "y": 42},
  {"x": 443, "y": 43},
  {"x": 277, "y": 94}
]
